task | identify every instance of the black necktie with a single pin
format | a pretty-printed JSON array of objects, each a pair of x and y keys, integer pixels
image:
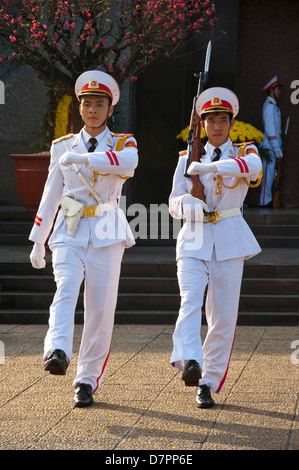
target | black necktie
[
  {"x": 93, "y": 145},
  {"x": 218, "y": 153}
]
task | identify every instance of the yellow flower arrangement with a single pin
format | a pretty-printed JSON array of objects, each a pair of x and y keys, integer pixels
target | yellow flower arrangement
[
  {"x": 63, "y": 124},
  {"x": 241, "y": 132},
  {"x": 184, "y": 134}
]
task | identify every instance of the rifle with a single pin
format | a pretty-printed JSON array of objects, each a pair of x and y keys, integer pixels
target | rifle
[
  {"x": 195, "y": 149},
  {"x": 276, "y": 197}
]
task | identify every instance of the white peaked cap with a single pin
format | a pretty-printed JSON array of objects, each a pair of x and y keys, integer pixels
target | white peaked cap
[
  {"x": 95, "y": 82},
  {"x": 217, "y": 99}
]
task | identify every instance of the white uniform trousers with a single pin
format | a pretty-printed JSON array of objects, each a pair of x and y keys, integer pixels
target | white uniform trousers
[
  {"x": 267, "y": 180},
  {"x": 222, "y": 302},
  {"x": 101, "y": 269}
]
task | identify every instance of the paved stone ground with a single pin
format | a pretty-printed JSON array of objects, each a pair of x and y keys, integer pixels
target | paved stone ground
[{"x": 143, "y": 403}]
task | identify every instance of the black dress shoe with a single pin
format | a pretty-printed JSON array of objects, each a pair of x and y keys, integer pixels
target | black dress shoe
[
  {"x": 83, "y": 396},
  {"x": 191, "y": 374},
  {"x": 56, "y": 363},
  {"x": 204, "y": 399}
]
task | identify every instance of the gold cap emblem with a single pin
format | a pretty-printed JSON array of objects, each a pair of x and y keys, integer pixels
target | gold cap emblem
[
  {"x": 216, "y": 101},
  {"x": 93, "y": 84}
]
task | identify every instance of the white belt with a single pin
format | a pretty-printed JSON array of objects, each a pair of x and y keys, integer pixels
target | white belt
[
  {"x": 99, "y": 209},
  {"x": 215, "y": 216}
]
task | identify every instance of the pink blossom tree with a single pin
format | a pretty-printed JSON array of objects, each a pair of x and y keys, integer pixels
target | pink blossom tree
[{"x": 61, "y": 39}]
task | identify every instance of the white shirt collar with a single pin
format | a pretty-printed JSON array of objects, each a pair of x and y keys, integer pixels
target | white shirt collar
[
  {"x": 222, "y": 147},
  {"x": 86, "y": 136}
]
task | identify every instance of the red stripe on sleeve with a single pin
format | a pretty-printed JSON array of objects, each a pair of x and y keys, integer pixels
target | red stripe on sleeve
[
  {"x": 240, "y": 164},
  {"x": 245, "y": 165},
  {"x": 38, "y": 218},
  {"x": 110, "y": 158},
  {"x": 115, "y": 158}
]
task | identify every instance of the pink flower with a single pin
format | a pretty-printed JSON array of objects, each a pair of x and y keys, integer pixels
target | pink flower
[
  {"x": 133, "y": 78},
  {"x": 12, "y": 38}
]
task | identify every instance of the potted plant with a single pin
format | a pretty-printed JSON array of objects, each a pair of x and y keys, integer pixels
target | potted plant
[
  {"x": 31, "y": 170},
  {"x": 61, "y": 39}
]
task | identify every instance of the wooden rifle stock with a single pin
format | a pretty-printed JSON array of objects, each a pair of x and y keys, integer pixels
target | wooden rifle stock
[{"x": 197, "y": 189}]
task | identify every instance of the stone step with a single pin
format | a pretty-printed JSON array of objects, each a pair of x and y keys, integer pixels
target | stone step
[
  {"x": 148, "y": 287},
  {"x": 152, "y": 301},
  {"x": 167, "y": 317},
  {"x": 253, "y": 216},
  {"x": 24, "y": 227},
  {"x": 15, "y": 214},
  {"x": 18, "y": 227},
  {"x": 145, "y": 284},
  {"x": 273, "y": 228},
  {"x": 283, "y": 216},
  {"x": 265, "y": 241},
  {"x": 156, "y": 262}
]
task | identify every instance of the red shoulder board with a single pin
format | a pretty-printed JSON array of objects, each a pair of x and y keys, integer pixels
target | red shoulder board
[
  {"x": 122, "y": 135},
  {"x": 243, "y": 143},
  {"x": 183, "y": 152}
]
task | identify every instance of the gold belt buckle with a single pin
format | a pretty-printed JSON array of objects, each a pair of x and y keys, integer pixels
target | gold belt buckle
[
  {"x": 213, "y": 217},
  {"x": 90, "y": 211}
]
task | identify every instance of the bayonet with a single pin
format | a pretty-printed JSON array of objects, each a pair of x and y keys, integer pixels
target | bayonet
[{"x": 195, "y": 148}]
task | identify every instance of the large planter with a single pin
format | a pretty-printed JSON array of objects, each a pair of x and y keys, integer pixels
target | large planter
[{"x": 31, "y": 174}]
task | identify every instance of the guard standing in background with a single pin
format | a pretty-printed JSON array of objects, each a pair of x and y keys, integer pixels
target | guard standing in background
[
  {"x": 86, "y": 175},
  {"x": 216, "y": 259},
  {"x": 272, "y": 140}
]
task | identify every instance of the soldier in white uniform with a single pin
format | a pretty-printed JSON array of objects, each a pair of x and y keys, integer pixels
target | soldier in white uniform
[
  {"x": 86, "y": 175},
  {"x": 272, "y": 139},
  {"x": 212, "y": 246}
]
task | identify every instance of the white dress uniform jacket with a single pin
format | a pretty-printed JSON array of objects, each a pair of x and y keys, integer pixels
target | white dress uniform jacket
[
  {"x": 215, "y": 260},
  {"x": 113, "y": 161},
  {"x": 230, "y": 237},
  {"x": 272, "y": 125},
  {"x": 272, "y": 142}
]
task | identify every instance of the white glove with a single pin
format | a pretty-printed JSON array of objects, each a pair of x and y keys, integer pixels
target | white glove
[
  {"x": 193, "y": 208},
  {"x": 37, "y": 256},
  {"x": 278, "y": 152},
  {"x": 197, "y": 168},
  {"x": 68, "y": 158}
]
